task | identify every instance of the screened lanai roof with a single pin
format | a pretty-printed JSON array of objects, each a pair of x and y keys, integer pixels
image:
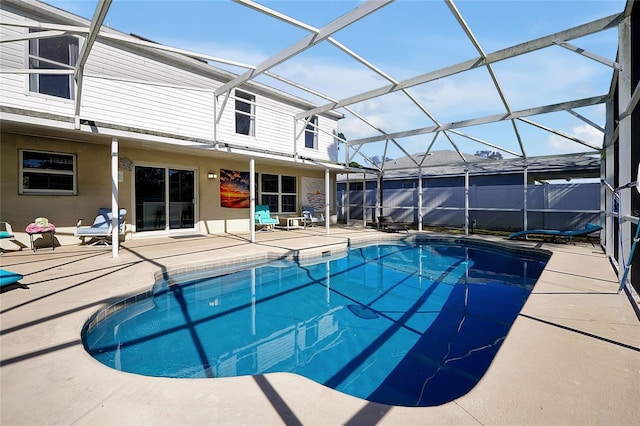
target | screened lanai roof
[{"x": 525, "y": 79}]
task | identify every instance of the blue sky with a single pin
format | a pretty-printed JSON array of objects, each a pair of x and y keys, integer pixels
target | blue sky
[{"x": 404, "y": 39}]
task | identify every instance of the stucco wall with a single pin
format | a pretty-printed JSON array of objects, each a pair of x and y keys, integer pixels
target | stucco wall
[{"x": 94, "y": 186}]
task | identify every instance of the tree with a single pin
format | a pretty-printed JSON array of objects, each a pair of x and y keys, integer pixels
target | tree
[
  {"x": 492, "y": 155},
  {"x": 376, "y": 159}
]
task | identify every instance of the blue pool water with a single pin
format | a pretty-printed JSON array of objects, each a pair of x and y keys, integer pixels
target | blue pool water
[{"x": 400, "y": 324}]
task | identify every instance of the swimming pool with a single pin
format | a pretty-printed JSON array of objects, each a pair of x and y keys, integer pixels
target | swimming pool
[{"x": 412, "y": 324}]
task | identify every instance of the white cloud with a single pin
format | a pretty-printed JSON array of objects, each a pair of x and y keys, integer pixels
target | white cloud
[
  {"x": 539, "y": 79},
  {"x": 559, "y": 145}
]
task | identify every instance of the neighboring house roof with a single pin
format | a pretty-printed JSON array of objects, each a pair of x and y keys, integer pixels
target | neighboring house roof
[
  {"x": 431, "y": 159},
  {"x": 449, "y": 164}
]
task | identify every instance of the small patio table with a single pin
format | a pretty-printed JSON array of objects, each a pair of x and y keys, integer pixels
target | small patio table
[
  {"x": 33, "y": 229},
  {"x": 290, "y": 221}
]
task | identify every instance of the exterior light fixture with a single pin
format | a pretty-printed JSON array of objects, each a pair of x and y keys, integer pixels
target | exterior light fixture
[{"x": 212, "y": 175}]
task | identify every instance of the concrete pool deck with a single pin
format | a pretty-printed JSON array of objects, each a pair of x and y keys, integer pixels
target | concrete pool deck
[{"x": 571, "y": 357}]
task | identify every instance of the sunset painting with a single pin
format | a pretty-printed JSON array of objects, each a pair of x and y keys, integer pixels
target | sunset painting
[{"x": 234, "y": 189}]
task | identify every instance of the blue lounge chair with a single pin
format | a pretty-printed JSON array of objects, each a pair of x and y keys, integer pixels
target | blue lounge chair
[
  {"x": 554, "y": 233},
  {"x": 263, "y": 218},
  {"x": 8, "y": 277},
  {"x": 309, "y": 217},
  {"x": 100, "y": 230},
  {"x": 7, "y": 233}
]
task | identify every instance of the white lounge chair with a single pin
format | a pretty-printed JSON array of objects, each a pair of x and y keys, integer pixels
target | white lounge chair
[
  {"x": 309, "y": 217},
  {"x": 100, "y": 231}
]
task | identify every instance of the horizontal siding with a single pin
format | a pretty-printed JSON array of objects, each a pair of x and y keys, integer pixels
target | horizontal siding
[
  {"x": 275, "y": 124},
  {"x": 12, "y": 55},
  {"x": 130, "y": 64},
  {"x": 327, "y": 144},
  {"x": 176, "y": 100},
  {"x": 275, "y": 130},
  {"x": 170, "y": 110},
  {"x": 14, "y": 87}
]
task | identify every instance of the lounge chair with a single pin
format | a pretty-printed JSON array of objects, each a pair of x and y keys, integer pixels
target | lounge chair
[
  {"x": 263, "y": 218},
  {"x": 8, "y": 277},
  {"x": 388, "y": 224},
  {"x": 309, "y": 218},
  {"x": 7, "y": 233},
  {"x": 554, "y": 233},
  {"x": 100, "y": 231}
]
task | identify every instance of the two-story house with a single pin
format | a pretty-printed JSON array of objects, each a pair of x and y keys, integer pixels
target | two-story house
[{"x": 91, "y": 114}]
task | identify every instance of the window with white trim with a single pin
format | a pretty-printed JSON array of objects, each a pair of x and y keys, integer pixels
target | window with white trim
[
  {"x": 311, "y": 133},
  {"x": 55, "y": 53},
  {"x": 280, "y": 193},
  {"x": 47, "y": 173},
  {"x": 245, "y": 113}
]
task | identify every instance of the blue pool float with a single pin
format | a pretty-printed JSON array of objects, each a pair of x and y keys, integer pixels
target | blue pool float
[{"x": 8, "y": 277}]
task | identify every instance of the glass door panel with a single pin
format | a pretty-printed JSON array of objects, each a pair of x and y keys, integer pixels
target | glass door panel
[
  {"x": 164, "y": 198},
  {"x": 181, "y": 198},
  {"x": 150, "y": 198}
]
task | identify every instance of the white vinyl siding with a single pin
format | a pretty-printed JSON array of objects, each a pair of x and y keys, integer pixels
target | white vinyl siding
[
  {"x": 131, "y": 65},
  {"x": 14, "y": 88},
  {"x": 311, "y": 134},
  {"x": 56, "y": 53},
  {"x": 134, "y": 89},
  {"x": 11, "y": 57},
  {"x": 245, "y": 115},
  {"x": 142, "y": 106}
]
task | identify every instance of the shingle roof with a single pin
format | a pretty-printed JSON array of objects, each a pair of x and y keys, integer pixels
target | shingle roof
[
  {"x": 431, "y": 159},
  {"x": 439, "y": 165}
]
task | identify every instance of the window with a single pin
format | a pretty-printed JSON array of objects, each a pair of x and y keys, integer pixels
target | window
[
  {"x": 245, "y": 113},
  {"x": 289, "y": 196},
  {"x": 56, "y": 53},
  {"x": 311, "y": 134},
  {"x": 47, "y": 173},
  {"x": 279, "y": 193}
]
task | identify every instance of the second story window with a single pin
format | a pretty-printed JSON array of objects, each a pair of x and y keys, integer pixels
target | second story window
[
  {"x": 245, "y": 113},
  {"x": 311, "y": 134},
  {"x": 56, "y": 53}
]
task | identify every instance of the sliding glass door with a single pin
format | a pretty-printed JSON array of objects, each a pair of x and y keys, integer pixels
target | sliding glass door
[{"x": 164, "y": 198}]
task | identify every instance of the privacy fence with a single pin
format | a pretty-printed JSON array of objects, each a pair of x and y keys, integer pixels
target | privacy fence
[{"x": 502, "y": 207}]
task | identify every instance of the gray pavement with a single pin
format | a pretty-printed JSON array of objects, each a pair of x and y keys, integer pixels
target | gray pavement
[{"x": 572, "y": 357}]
